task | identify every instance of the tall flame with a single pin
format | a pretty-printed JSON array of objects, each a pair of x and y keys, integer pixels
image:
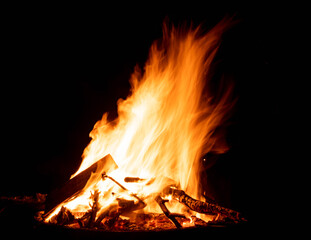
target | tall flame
[{"x": 167, "y": 123}]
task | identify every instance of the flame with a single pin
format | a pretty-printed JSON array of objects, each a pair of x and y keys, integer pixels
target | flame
[{"x": 166, "y": 124}]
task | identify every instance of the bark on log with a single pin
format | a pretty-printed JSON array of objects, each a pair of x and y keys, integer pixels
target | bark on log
[
  {"x": 74, "y": 186},
  {"x": 203, "y": 207}
]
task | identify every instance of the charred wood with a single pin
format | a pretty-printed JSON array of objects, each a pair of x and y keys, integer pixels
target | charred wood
[
  {"x": 36, "y": 202},
  {"x": 204, "y": 207},
  {"x": 74, "y": 186},
  {"x": 167, "y": 213},
  {"x": 111, "y": 213},
  {"x": 128, "y": 206},
  {"x": 104, "y": 175},
  {"x": 95, "y": 207},
  {"x": 139, "y": 180},
  {"x": 133, "y": 179},
  {"x": 84, "y": 220},
  {"x": 64, "y": 217}
]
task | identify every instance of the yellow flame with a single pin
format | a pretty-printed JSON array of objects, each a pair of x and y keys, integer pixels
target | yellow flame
[{"x": 167, "y": 123}]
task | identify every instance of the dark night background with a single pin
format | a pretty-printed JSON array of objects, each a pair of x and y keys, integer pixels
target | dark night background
[{"x": 63, "y": 67}]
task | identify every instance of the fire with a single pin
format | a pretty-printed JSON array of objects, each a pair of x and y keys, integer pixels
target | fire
[{"x": 164, "y": 126}]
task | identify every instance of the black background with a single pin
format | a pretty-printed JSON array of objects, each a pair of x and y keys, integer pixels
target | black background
[{"x": 64, "y": 66}]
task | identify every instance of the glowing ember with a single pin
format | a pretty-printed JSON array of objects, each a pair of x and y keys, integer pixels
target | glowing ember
[{"x": 163, "y": 129}]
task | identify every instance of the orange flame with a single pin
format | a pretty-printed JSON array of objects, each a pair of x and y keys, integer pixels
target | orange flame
[{"x": 167, "y": 123}]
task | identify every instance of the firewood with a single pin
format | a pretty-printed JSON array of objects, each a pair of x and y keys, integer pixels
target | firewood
[
  {"x": 64, "y": 217},
  {"x": 167, "y": 213},
  {"x": 85, "y": 219},
  {"x": 133, "y": 179},
  {"x": 128, "y": 206},
  {"x": 203, "y": 207},
  {"x": 95, "y": 207},
  {"x": 139, "y": 180},
  {"x": 111, "y": 213},
  {"x": 33, "y": 202},
  {"x": 104, "y": 176},
  {"x": 75, "y": 185}
]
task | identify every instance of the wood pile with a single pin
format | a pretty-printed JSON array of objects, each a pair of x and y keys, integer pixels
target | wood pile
[{"x": 114, "y": 217}]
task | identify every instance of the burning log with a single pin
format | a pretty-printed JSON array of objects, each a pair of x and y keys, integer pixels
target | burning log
[
  {"x": 138, "y": 180},
  {"x": 112, "y": 212},
  {"x": 133, "y": 179},
  {"x": 124, "y": 206},
  {"x": 95, "y": 208},
  {"x": 167, "y": 213},
  {"x": 64, "y": 217},
  {"x": 127, "y": 206},
  {"x": 203, "y": 207},
  {"x": 104, "y": 175},
  {"x": 74, "y": 186}
]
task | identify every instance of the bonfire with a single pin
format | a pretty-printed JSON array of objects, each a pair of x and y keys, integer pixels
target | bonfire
[{"x": 142, "y": 170}]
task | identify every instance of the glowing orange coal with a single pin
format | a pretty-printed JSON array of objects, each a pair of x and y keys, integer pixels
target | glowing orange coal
[{"x": 164, "y": 126}]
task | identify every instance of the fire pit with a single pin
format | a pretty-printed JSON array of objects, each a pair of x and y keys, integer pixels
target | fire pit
[
  {"x": 125, "y": 211},
  {"x": 141, "y": 172},
  {"x": 17, "y": 220}
]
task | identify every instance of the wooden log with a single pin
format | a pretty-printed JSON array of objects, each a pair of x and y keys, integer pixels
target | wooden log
[
  {"x": 64, "y": 217},
  {"x": 113, "y": 211},
  {"x": 167, "y": 213},
  {"x": 75, "y": 185},
  {"x": 128, "y": 206},
  {"x": 203, "y": 207}
]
